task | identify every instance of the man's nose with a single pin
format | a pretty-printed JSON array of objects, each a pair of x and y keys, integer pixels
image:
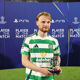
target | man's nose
[{"x": 46, "y": 24}]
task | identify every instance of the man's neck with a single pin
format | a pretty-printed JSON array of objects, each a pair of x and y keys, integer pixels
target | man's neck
[{"x": 42, "y": 34}]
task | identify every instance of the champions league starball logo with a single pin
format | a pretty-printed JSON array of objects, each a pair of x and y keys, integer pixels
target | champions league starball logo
[
  {"x": 2, "y": 21},
  {"x": 76, "y": 20}
]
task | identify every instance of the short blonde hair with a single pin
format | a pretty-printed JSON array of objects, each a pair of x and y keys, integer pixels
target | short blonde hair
[{"x": 43, "y": 14}]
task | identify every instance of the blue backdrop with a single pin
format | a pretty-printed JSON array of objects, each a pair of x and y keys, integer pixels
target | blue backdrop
[{"x": 17, "y": 19}]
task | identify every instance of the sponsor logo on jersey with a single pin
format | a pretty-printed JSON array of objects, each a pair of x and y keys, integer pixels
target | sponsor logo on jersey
[{"x": 43, "y": 54}]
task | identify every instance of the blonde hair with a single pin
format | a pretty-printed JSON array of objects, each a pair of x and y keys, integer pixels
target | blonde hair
[{"x": 43, "y": 14}]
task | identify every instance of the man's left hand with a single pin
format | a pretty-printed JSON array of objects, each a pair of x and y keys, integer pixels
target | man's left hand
[{"x": 58, "y": 68}]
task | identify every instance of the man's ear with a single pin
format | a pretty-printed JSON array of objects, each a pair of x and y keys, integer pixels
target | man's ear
[{"x": 37, "y": 23}]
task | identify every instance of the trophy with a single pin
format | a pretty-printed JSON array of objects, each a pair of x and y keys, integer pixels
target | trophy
[{"x": 54, "y": 63}]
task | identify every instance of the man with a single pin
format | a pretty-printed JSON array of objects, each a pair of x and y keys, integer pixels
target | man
[{"x": 38, "y": 49}]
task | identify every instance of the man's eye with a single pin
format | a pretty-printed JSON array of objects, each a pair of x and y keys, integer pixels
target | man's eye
[
  {"x": 48, "y": 22},
  {"x": 43, "y": 21}
]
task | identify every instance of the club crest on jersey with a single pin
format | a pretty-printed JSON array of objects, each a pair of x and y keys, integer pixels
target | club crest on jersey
[
  {"x": 50, "y": 46},
  {"x": 43, "y": 54}
]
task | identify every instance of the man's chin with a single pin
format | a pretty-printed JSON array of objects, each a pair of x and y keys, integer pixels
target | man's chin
[{"x": 45, "y": 31}]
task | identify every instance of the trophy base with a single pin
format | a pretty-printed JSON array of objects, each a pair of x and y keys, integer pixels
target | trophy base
[{"x": 55, "y": 71}]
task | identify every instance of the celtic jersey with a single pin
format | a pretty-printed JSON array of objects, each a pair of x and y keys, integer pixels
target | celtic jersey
[{"x": 41, "y": 51}]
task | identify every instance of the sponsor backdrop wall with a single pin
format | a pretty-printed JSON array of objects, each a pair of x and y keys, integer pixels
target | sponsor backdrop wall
[{"x": 17, "y": 19}]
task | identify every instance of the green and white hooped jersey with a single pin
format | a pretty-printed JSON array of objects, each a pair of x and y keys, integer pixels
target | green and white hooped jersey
[{"x": 41, "y": 51}]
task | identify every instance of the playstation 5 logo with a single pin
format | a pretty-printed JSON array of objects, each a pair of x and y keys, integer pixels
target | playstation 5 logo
[
  {"x": 76, "y": 20},
  {"x": 58, "y": 21},
  {"x": 3, "y": 20},
  {"x": 21, "y": 21}
]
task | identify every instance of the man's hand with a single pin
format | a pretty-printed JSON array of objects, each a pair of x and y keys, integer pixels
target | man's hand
[
  {"x": 46, "y": 71},
  {"x": 58, "y": 68}
]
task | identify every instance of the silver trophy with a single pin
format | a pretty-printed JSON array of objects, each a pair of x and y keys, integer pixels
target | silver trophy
[{"x": 53, "y": 63}]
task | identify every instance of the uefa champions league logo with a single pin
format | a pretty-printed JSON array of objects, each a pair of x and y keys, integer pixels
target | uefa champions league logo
[
  {"x": 76, "y": 20},
  {"x": 3, "y": 20}
]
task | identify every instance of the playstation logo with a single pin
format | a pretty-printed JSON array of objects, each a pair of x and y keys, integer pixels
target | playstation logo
[
  {"x": 3, "y": 20},
  {"x": 52, "y": 21},
  {"x": 76, "y": 20},
  {"x": 15, "y": 21},
  {"x": 35, "y": 30}
]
